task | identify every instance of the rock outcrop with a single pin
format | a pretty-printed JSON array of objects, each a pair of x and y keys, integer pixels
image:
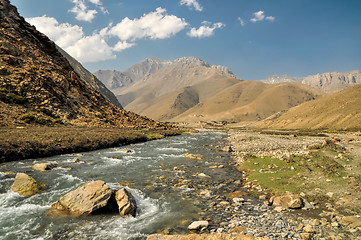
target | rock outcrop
[
  {"x": 96, "y": 197},
  {"x": 25, "y": 185}
]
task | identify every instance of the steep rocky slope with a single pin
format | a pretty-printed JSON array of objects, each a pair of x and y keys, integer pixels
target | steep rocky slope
[
  {"x": 91, "y": 80},
  {"x": 338, "y": 111},
  {"x": 333, "y": 81},
  {"x": 38, "y": 85}
]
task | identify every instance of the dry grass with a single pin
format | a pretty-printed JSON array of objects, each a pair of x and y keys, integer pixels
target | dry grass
[{"x": 33, "y": 142}]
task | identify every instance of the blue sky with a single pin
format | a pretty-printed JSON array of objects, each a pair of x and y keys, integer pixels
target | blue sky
[{"x": 254, "y": 38}]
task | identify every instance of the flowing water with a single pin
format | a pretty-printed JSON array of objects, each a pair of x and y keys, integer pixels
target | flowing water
[{"x": 161, "y": 206}]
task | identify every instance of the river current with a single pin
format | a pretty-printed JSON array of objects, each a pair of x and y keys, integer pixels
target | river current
[{"x": 161, "y": 206}]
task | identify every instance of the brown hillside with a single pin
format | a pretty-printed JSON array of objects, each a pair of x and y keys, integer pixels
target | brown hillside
[
  {"x": 170, "y": 105},
  {"x": 249, "y": 101},
  {"x": 339, "y": 111},
  {"x": 165, "y": 80},
  {"x": 38, "y": 85}
]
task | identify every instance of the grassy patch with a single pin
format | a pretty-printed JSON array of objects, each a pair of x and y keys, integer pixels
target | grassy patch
[
  {"x": 295, "y": 174},
  {"x": 154, "y": 136}
]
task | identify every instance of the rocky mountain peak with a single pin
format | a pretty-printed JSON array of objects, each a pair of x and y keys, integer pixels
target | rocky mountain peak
[{"x": 119, "y": 80}]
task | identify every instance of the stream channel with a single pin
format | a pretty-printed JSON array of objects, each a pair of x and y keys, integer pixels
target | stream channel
[{"x": 171, "y": 191}]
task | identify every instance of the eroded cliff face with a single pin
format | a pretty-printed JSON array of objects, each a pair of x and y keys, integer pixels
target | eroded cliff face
[
  {"x": 333, "y": 81},
  {"x": 37, "y": 84}
]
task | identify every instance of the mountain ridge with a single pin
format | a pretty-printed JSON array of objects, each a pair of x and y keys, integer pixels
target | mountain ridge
[
  {"x": 332, "y": 82},
  {"x": 117, "y": 81}
]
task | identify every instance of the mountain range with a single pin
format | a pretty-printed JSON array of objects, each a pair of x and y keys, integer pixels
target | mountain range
[
  {"x": 39, "y": 85},
  {"x": 189, "y": 90}
]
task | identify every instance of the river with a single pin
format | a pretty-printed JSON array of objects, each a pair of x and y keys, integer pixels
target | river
[{"x": 166, "y": 186}]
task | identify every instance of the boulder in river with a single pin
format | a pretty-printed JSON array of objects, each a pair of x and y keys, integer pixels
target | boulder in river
[
  {"x": 126, "y": 202},
  {"x": 44, "y": 166},
  {"x": 86, "y": 199},
  {"x": 25, "y": 185},
  {"x": 96, "y": 196}
]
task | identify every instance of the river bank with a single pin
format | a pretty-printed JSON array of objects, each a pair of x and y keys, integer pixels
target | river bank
[
  {"x": 324, "y": 169},
  {"x": 17, "y": 143}
]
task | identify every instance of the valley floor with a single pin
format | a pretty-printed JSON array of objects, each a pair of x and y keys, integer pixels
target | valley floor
[{"x": 18, "y": 143}]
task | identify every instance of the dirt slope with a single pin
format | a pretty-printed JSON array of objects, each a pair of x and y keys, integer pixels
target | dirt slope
[
  {"x": 341, "y": 110},
  {"x": 249, "y": 101}
]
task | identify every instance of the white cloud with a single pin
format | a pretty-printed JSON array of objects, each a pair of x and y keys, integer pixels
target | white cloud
[
  {"x": 154, "y": 25},
  {"x": 206, "y": 30},
  {"x": 192, "y": 3},
  {"x": 63, "y": 34},
  {"x": 99, "y": 5},
  {"x": 72, "y": 39},
  {"x": 121, "y": 45},
  {"x": 94, "y": 48},
  {"x": 91, "y": 49},
  {"x": 270, "y": 18},
  {"x": 259, "y": 16},
  {"x": 81, "y": 11},
  {"x": 241, "y": 21}
]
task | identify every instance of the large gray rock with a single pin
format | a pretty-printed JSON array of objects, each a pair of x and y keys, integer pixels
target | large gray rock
[
  {"x": 126, "y": 202},
  {"x": 86, "y": 199},
  {"x": 25, "y": 185}
]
